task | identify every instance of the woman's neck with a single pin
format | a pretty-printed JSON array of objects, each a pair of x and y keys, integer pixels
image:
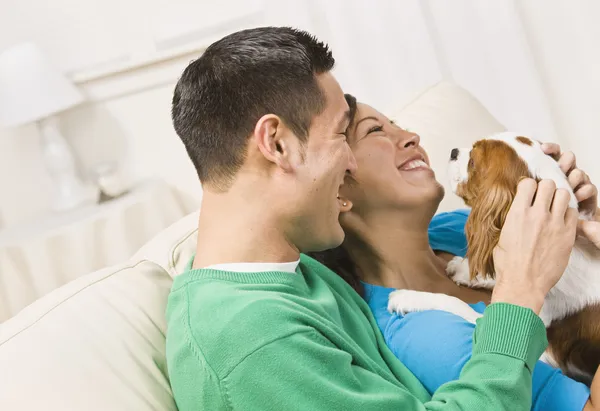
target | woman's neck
[{"x": 394, "y": 251}]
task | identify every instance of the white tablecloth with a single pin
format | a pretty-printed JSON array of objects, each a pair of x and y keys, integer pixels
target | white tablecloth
[{"x": 43, "y": 255}]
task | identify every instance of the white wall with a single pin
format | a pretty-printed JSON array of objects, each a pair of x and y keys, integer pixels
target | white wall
[
  {"x": 126, "y": 56},
  {"x": 533, "y": 64},
  {"x": 565, "y": 43}
]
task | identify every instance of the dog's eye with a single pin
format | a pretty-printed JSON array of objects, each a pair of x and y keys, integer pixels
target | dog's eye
[{"x": 471, "y": 163}]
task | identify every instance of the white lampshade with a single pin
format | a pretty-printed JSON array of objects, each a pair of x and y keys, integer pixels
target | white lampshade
[{"x": 31, "y": 88}]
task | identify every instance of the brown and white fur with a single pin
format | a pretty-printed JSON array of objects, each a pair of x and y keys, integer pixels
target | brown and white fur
[{"x": 486, "y": 177}]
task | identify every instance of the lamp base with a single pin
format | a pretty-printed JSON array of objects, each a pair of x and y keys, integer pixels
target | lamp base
[{"x": 70, "y": 191}]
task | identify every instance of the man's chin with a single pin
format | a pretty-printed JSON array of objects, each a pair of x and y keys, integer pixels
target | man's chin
[
  {"x": 338, "y": 241},
  {"x": 335, "y": 240}
]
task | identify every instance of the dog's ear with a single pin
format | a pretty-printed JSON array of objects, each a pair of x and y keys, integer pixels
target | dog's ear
[{"x": 484, "y": 224}]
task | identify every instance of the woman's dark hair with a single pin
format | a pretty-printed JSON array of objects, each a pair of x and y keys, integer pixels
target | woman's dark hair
[
  {"x": 338, "y": 259},
  {"x": 351, "y": 100}
]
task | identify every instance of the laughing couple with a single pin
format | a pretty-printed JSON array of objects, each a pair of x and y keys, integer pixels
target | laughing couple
[{"x": 291, "y": 166}]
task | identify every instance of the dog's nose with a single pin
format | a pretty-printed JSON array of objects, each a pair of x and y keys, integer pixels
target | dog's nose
[{"x": 454, "y": 154}]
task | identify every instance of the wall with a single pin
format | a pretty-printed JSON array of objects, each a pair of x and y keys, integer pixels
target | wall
[
  {"x": 565, "y": 43},
  {"x": 533, "y": 64},
  {"x": 126, "y": 56}
]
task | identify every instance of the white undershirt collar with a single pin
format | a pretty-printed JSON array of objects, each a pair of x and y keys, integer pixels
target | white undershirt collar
[{"x": 255, "y": 267}]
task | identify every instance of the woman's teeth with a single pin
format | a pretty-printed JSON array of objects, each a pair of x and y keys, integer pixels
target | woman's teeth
[{"x": 414, "y": 164}]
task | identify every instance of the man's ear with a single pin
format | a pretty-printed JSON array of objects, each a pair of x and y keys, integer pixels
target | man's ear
[{"x": 277, "y": 143}]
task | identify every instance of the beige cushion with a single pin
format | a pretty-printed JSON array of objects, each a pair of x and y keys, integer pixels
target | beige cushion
[
  {"x": 98, "y": 343},
  {"x": 446, "y": 117}
]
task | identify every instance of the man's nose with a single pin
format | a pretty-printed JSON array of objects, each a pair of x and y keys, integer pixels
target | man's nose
[{"x": 454, "y": 154}]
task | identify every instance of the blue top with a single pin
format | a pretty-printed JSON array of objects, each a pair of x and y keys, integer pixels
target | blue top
[{"x": 435, "y": 345}]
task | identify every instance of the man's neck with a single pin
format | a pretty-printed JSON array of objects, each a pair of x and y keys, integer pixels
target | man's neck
[
  {"x": 398, "y": 254},
  {"x": 234, "y": 232}
]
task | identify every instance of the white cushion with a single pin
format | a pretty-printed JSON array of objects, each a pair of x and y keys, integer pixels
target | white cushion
[{"x": 98, "y": 343}]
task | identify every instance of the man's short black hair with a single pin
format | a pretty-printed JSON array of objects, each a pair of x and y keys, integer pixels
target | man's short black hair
[{"x": 237, "y": 80}]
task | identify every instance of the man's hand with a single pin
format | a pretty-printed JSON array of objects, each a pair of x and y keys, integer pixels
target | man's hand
[
  {"x": 590, "y": 230},
  {"x": 535, "y": 244},
  {"x": 585, "y": 192}
]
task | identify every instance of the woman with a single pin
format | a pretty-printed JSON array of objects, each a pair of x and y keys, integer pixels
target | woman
[{"x": 394, "y": 241}]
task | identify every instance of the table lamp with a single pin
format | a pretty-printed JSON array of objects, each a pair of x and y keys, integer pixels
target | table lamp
[{"x": 32, "y": 90}]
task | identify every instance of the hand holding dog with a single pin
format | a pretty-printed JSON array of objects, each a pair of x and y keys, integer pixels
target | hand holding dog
[
  {"x": 534, "y": 245},
  {"x": 585, "y": 192}
]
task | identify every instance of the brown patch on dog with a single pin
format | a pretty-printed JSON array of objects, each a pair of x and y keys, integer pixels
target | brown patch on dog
[
  {"x": 575, "y": 343},
  {"x": 525, "y": 140},
  {"x": 494, "y": 171}
]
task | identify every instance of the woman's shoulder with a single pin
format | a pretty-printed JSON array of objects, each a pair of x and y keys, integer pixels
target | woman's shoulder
[
  {"x": 447, "y": 232},
  {"x": 450, "y": 218}
]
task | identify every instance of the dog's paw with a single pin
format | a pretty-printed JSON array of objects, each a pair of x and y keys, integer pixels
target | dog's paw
[
  {"x": 487, "y": 283},
  {"x": 454, "y": 266},
  {"x": 403, "y": 302},
  {"x": 458, "y": 270}
]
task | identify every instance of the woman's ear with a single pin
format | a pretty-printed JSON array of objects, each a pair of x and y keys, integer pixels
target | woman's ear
[
  {"x": 277, "y": 143},
  {"x": 484, "y": 224},
  {"x": 344, "y": 203}
]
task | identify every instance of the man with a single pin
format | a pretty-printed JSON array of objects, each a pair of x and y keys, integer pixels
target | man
[{"x": 252, "y": 325}]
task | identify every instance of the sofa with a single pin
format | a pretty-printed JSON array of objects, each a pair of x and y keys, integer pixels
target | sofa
[{"x": 98, "y": 342}]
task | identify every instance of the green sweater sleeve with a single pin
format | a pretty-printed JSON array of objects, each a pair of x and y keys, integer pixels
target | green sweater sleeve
[{"x": 304, "y": 371}]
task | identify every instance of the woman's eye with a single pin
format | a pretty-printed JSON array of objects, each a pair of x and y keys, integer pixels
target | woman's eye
[{"x": 375, "y": 129}]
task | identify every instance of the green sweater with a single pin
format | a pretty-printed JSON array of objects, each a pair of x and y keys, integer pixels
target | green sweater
[{"x": 307, "y": 341}]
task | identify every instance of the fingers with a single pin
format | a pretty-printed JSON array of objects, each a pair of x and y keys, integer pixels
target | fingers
[
  {"x": 578, "y": 177},
  {"x": 586, "y": 192},
  {"x": 544, "y": 195},
  {"x": 580, "y": 183},
  {"x": 551, "y": 149},
  {"x": 567, "y": 162},
  {"x": 560, "y": 204},
  {"x": 525, "y": 193},
  {"x": 571, "y": 218},
  {"x": 590, "y": 230}
]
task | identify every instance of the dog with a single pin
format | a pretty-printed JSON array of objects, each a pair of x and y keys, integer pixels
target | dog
[{"x": 486, "y": 176}]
